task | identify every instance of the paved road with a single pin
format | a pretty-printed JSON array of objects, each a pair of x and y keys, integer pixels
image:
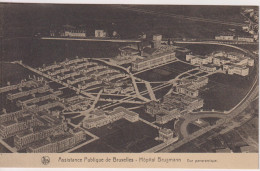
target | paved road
[
  {"x": 93, "y": 39},
  {"x": 193, "y": 117},
  {"x": 150, "y": 90}
]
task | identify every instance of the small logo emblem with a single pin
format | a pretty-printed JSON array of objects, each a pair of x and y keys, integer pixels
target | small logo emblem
[{"x": 45, "y": 160}]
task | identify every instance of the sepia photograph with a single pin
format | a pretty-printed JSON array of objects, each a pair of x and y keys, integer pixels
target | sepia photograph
[{"x": 126, "y": 78}]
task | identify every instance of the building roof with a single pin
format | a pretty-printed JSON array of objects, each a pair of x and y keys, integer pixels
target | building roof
[
  {"x": 154, "y": 56},
  {"x": 188, "y": 99},
  {"x": 40, "y": 128},
  {"x": 91, "y": 120},
  {"x": 239, "y": 66},
  {"x": 42, "y": 94},
  {"x": 200, "y": 56},
  {"x": 188, "y": 87},
  {"x": 24, "y": 133},
  {"x": 251, "y": 37},
  {"x": 25, "y": 98},
  {"x": 185, "y": 81},
  {"x": 174, "y": 96},
  {"x": 218, "y": 52},
  {"x": 40, "y": 143},
  {"x": 51, "y": 119},
  {"x": 235, "y": 54},
  {"x": 113, "y": 113},
  {"x": 61, "y": 137},
  {"x": 209, "y": 66},
  {"x": 168, "y": 106},
  {"x": 157, "y": 35},
  {"x": 98, "y": 112},
  {"x": 8, "y": 123},
  {"x": 222, "y": 58},
  {"x": 166, "y": 131},
  {"x": 76, "y": 130},
  {"x": 25, "y": 118},
  {"x": 149, "y": 50},
  {"x": 126, "y": 111},
  {"x": 228, "y": 33},
  {"x": 44, "y": 121}
]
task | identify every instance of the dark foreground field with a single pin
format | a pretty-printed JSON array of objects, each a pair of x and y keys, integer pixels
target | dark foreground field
[{"x": 122, "y": 136}]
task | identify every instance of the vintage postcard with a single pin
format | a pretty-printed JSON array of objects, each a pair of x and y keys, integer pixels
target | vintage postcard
[{"x": 134, "y": 86}]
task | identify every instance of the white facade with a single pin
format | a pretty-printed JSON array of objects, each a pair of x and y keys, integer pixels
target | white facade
[
  {"x": 243, "y": 71},
  {"x": 246, "y": 39},
  {"x": 189, "y": 57},
  {"x": 157, "y": 37},
  {"x": 75, "y": 34},
  {"x": 100, "y": 33},
  {"x": 187, "y": 91},
  {"x": 208, "y": 68},
  {"x": 251, "y": 62},
  {"x": 220, "y": 61},
  {"x": 222, "y": 37},
  {"x": 200, "y": 60}
]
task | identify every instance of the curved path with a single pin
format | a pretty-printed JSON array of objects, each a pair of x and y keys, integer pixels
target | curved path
[{"x": 193, "y": 117}]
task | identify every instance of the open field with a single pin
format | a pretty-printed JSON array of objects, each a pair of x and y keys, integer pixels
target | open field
[
  {"x": 122, "y": 136},
  {"x": 224, "y": 91},
  {"x": 192, "y": 128},
  {"x": 13, "y": 73},
  {"x": 37, "y": 52},
  {"x": 166, "y": 72}
]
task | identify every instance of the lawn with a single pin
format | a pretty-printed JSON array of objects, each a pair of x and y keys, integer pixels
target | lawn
[
  {"x": 224, "y": 91},
  {"x": 166, "y": 72},
  {"x": 13, "y": 73},
  {"x": 122, "y": 136},
  {"x": 192, "y": 128}
]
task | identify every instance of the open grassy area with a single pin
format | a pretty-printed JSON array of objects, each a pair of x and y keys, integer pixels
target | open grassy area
[
  {"x": 122, "y": 136},
  {"x": 13, "y": 73},
  {"x": 225, "y": 91},
  {"x": 166, "y": 72},
  {"x": 192, "y": 128}
]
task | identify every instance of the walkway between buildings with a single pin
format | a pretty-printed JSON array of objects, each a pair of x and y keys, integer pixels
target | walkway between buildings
[
  {"x": 137, "y": 90},
  {"x": 96, "y": 100},
  {"x": 149, "y": 123},
  {"x": 150, "y": 91}
]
